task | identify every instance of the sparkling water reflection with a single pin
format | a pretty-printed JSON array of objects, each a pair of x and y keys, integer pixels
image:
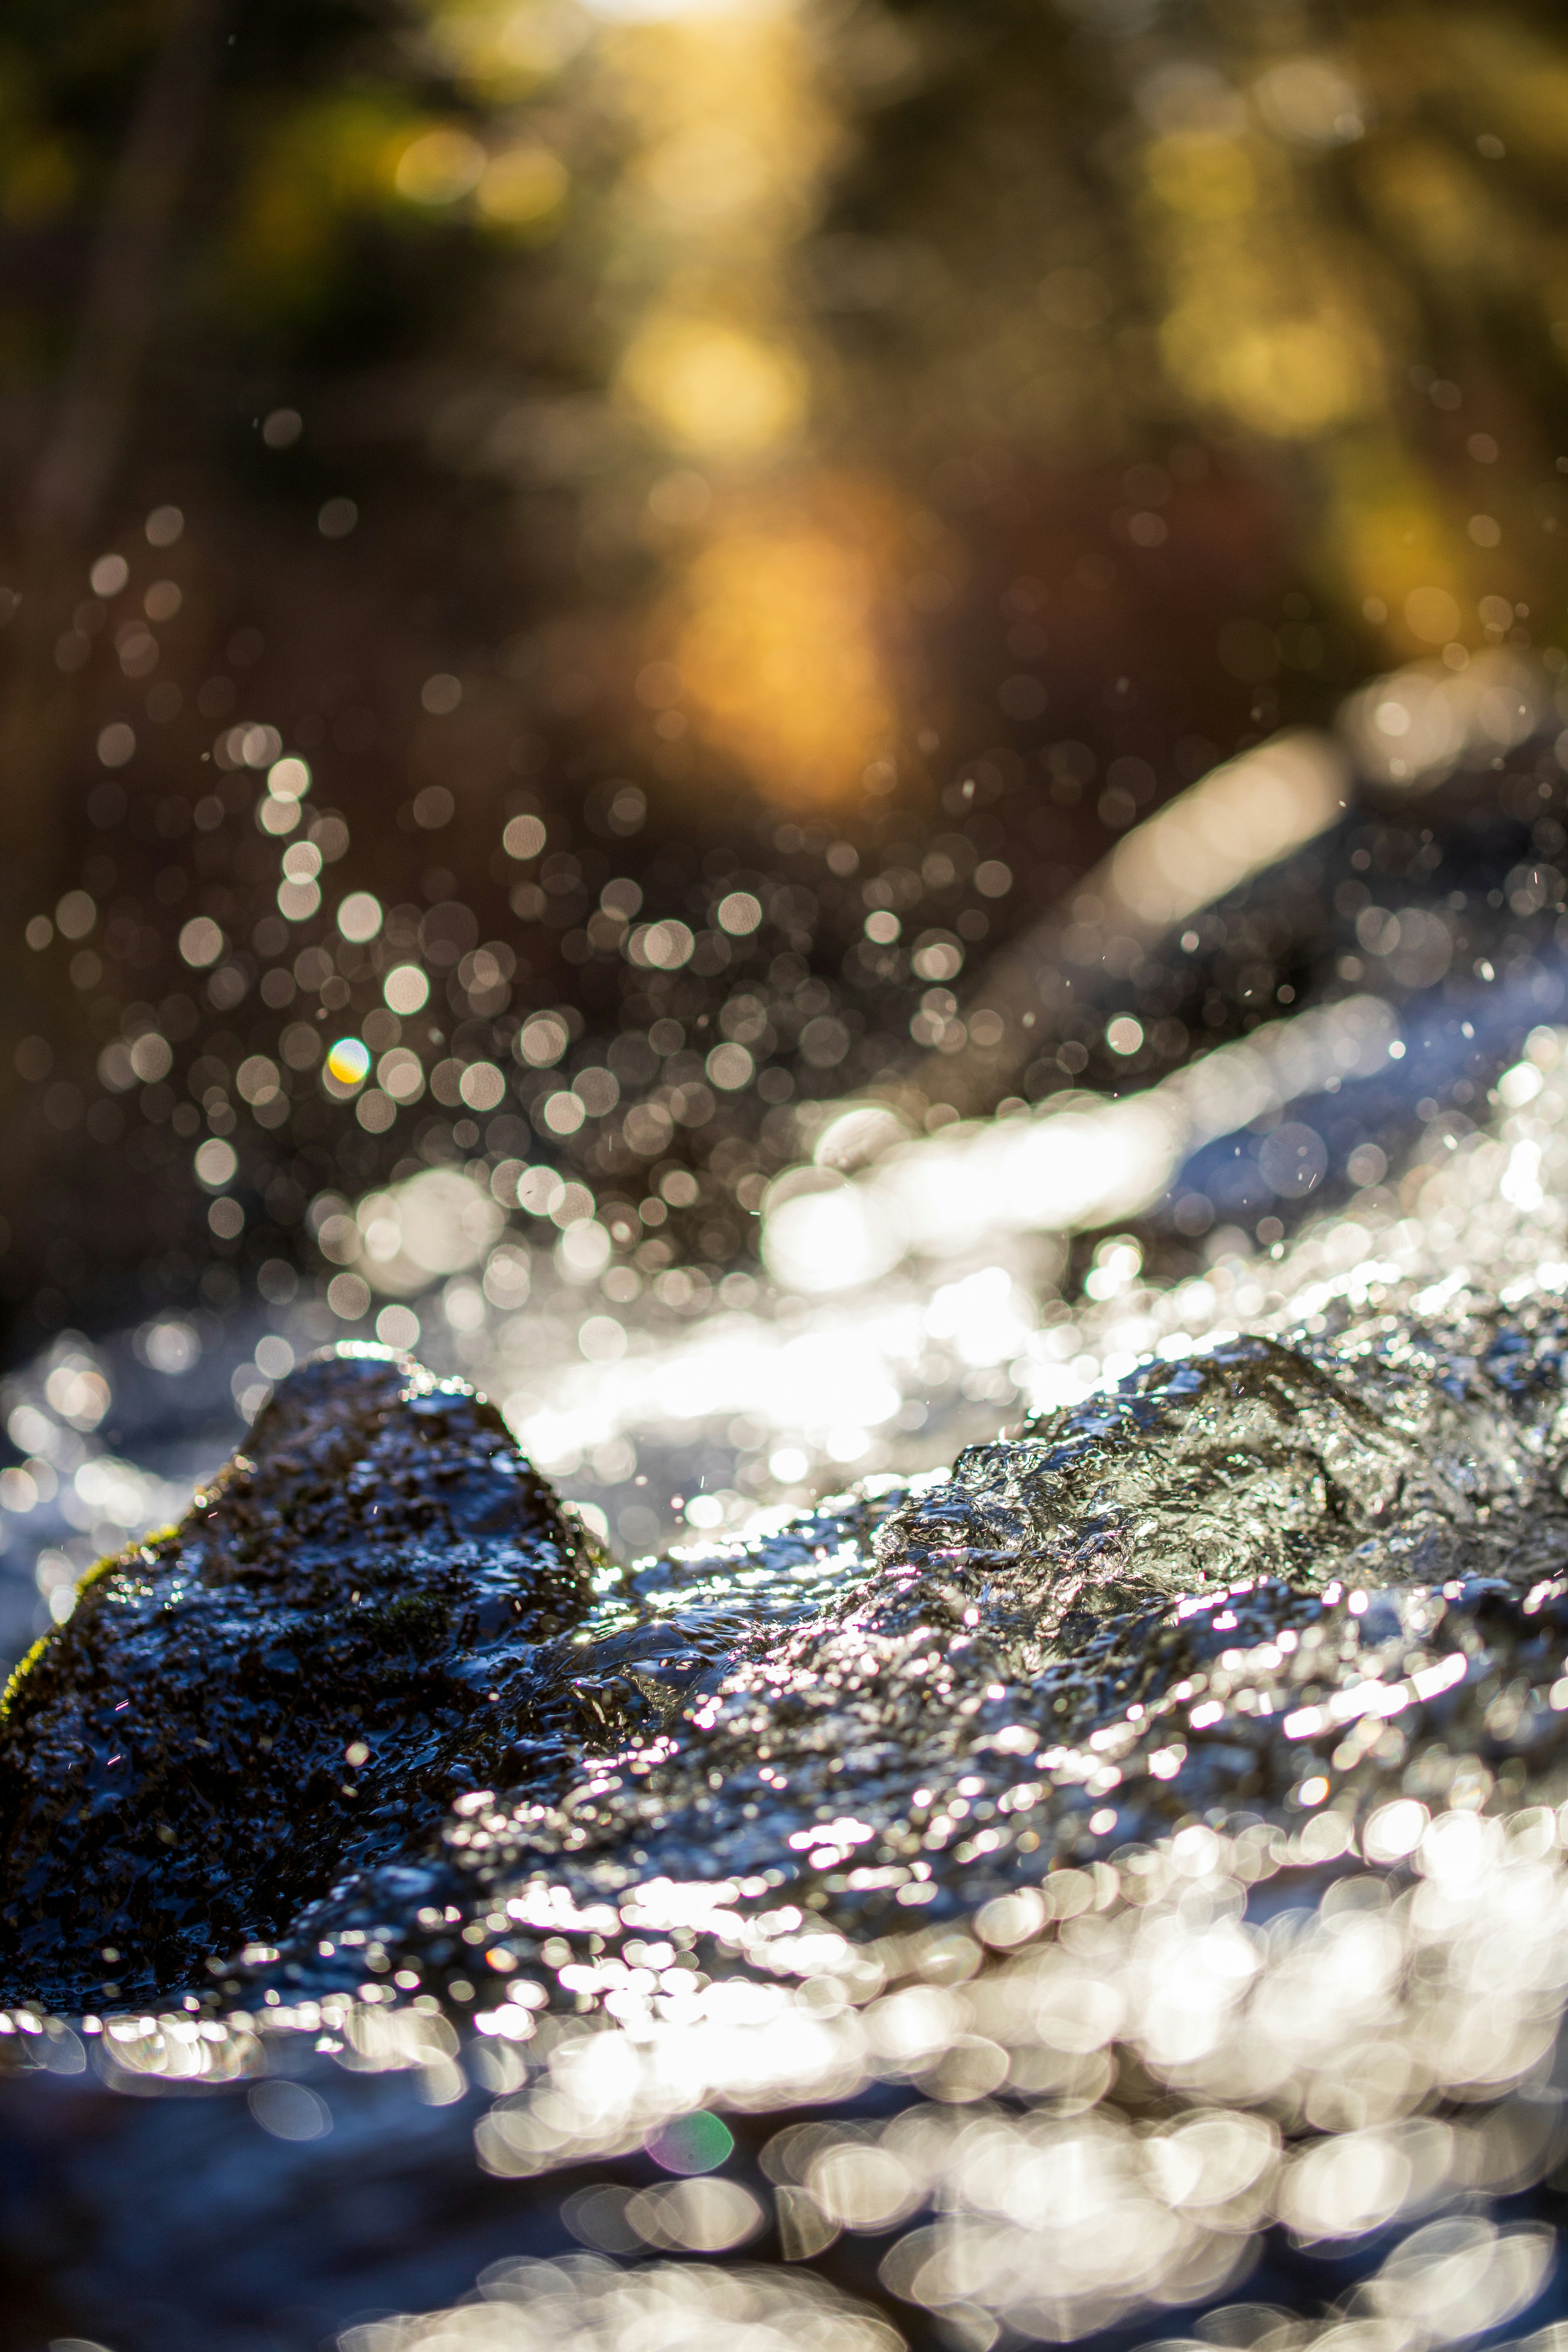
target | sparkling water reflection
[{"x": 1155, "y": 1818}]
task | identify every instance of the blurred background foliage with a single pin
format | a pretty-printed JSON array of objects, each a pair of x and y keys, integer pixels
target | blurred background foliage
[{"x": 828, "y": 452}]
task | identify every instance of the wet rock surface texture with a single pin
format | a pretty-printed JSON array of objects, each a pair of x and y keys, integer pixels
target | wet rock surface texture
[
  {"x": 375, "y": 1686},
  {"x": 1116, "y": 1872},
  {"x": 284, "y": 1687}
]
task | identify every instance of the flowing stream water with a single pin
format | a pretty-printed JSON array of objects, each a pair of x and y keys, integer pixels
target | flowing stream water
[{"x": 1119, "y": 1874}]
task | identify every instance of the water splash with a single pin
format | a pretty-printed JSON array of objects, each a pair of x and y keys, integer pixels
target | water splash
[{"x": 1158, "y": 1817}]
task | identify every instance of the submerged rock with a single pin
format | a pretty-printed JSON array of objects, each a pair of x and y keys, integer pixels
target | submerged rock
[
  {"x": 279, "y": 1690},
  {"x": 374, "y": 1697}
]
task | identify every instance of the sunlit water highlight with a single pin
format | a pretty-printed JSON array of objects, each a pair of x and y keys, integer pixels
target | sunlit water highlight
[{"x": 1163, "y": 1807}]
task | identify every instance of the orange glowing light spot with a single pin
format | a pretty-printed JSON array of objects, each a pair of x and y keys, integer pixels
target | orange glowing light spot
[
  {"x": 714, "y": 387},
  {"x": 779, "y": 646}
]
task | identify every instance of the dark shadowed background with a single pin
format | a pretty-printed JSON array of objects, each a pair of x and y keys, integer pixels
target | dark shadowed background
[{"x": 859, "y": 456}]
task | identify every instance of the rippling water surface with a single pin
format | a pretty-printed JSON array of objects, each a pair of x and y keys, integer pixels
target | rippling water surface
[{"x": 1119, "y": 1874}]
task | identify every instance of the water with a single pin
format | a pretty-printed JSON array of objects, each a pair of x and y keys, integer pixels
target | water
[
  {"x": 1096, "y": 1879},
  {"x": 1132, "y": 1860}
]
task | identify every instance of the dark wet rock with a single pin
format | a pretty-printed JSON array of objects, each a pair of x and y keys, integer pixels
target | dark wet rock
[
  {"x": 1337, "y": 1553},
  {"x": 279, "y": 1689},
  {"x": 1340, "y": 1555}
]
